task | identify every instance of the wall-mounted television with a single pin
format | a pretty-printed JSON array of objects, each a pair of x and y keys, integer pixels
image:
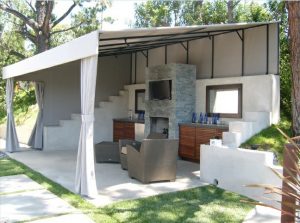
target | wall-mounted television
[{"x": 160, "y": 90}]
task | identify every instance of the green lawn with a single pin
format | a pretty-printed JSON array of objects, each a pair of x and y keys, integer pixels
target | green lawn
[
  {"x": 203, "y": 204},
  {"x": 270, "y": 139}
]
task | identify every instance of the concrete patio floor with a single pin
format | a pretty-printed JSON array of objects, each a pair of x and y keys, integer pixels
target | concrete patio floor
[{"x": 113, "y": 183}]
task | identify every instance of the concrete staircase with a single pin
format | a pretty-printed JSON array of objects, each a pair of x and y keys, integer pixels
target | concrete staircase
[
  {"x": 66, "y": 134},
  {"x": 241, "y": 131}
]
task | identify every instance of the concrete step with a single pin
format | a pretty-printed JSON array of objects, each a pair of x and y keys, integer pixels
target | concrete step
[
  {"x": 103, "y": 104},
  {"x": 117, "y": 107},
  {"x": 261, "y": 120},
  {"x": 245, "y": 128},
  {"x": 69, "y": 123},
  {"x": 61, "y": 138},
  {"x": 232, "y": 139},
  {"x": 75, "y": 116},
  {"x": 123, "y": 92}
]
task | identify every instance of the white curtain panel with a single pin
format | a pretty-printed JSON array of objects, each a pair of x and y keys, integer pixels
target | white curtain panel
[
  {"x": 36, "y": 138},
  {"x": 12, "y": 143},
  {"x": 85, "y": 180}
]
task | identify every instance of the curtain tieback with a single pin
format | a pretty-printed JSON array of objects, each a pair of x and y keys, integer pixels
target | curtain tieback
[{"x": 87, "y": 118}]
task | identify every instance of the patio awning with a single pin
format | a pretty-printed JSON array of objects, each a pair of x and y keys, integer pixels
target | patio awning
[
  {"x": 137, "y": 40},
  {"x": 82, "y": 47},
  {"x": 109, "y": 43}
]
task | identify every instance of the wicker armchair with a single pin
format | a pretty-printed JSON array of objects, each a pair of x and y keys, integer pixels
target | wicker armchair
[
  {"x": 123, "y": 154},
  {"x": 155, "y": 160},
  {"x": 136, "y": 144}
]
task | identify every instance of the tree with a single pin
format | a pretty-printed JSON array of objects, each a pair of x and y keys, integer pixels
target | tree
[
  {"x": 230, "y": 10},
  {"x": 153, "y": 14},
  {"x": 192, "y": 12},
  {"x": 189, "y": 12},
  {"x": 278, "y": 12},
  {"x": 294, "y": 41},
  {"x": 88, "y": 19},
  {"x": 28, "y": 27},
  {"x": 37, "y": 23}
]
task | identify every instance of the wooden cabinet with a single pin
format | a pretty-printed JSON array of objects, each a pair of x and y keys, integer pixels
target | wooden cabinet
[
  {"x": 123, "y": 130},
  {"x": 191, "y": 136},
  {"x": 128, "y": 129},
  {"x": 187, "y": 140}
]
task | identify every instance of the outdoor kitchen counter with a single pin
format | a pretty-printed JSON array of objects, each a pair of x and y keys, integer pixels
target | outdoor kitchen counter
[
  {"x": 125, "y": 128},
  {"x": 129, "y": 120},
  {"x": 212, "y": 126},
  {"x": 192, "y": 135}
]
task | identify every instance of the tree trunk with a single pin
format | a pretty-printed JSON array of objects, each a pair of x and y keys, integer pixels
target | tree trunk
[
  {"x": 199, "y": 4},
  {"x": 230, "y": 7},
  {"x": 294, "y": 38},
  {"x": 290, "y": 161},
  {"x": 44, "y": 11}
]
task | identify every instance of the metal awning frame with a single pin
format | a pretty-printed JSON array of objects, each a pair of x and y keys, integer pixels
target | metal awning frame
[{"x": 134, "y": 44}]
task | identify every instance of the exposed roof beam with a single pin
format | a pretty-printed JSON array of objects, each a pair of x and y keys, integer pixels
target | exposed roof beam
[
  {"x": 156, "y": 35},
  {"x": 137, "y": 48},
  {"x": 133, "y": 46}
]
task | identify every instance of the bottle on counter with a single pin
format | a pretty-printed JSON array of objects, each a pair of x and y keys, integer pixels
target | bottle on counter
[
  {"x": 218, "y": 119},
  {"x": 130, "y": 114},
  {"x": 201, "y": 118},
  {"x": 205, "y": 119},
  {"x": 214, "y": 119},
  {"x": 194, "y": 117}
]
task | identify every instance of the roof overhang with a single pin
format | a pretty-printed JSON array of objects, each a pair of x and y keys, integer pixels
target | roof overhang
[
  {"x": 82, "y": 47},
  {"x": 109, "y": 43},
  {"x": 138, "y": 40}
]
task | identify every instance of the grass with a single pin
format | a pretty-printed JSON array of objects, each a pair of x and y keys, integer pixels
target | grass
[
  {"x": 204, "y": 204},
  {"x": 24, "y": 117},
  {"x": 270, "y": 139},
  {"x": 24, "y": 106}
]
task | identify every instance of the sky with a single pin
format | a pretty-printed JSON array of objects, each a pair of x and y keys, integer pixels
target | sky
[{"x": 122, "y": 11}]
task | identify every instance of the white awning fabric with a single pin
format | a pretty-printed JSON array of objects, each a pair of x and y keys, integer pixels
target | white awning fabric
[
  {"x": 12, "y": 143},
  {"x": 85, "y": 180},
  {"x": 36, "y": 137},
  {"x": 82, "y": 47},
  {"x": 136, "y": 40}
]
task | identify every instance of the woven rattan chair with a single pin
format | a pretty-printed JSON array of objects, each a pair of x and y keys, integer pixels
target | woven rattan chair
[{"x": 155, "y": 160}]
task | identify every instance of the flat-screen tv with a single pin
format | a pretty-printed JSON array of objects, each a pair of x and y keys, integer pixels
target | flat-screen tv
[{"x": 160, "y": 90}]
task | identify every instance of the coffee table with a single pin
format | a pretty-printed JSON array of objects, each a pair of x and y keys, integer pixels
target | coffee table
[{"x": 107, "y": 152}]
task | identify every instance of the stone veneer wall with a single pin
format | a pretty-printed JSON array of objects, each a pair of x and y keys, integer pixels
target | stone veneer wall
[{"x": 182, "y": 105}]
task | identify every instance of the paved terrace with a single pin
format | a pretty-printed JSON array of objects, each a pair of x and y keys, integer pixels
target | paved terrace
[{"x": 113, "y": 183}]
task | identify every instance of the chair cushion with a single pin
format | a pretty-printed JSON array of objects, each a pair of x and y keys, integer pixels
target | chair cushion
[
  {"x": 136, "y": 145},
  {"x": 124, "y": 150}
]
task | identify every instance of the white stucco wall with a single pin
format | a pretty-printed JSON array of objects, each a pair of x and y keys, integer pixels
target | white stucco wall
[
  {"x": 62, "y": 91},
  {"x": 62, "y": 85},
  {"x": 236, "y": 168},
  {"x": 113, "y": 74},
  {"x": 131, "y": 94},
  {"x": 261, "y": 93}
]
